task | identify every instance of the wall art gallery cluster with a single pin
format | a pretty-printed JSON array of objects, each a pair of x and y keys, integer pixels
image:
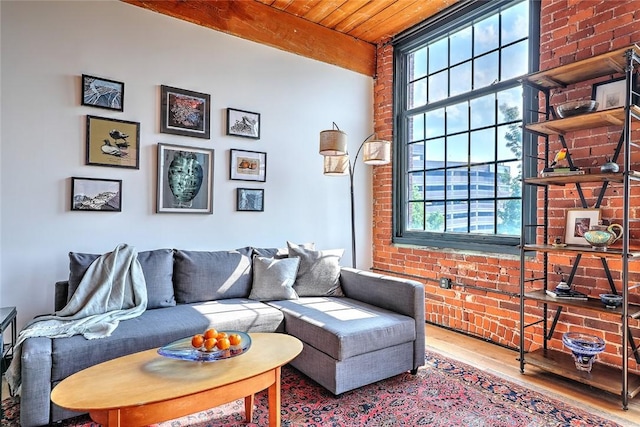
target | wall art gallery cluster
[{"x": 184, "y": 173}]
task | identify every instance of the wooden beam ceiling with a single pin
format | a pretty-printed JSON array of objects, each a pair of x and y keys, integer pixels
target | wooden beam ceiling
[{"x": 270, "y": 26}]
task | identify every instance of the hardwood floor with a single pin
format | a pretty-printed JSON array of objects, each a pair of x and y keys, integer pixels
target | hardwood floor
[{"x": 503, "y": 362}]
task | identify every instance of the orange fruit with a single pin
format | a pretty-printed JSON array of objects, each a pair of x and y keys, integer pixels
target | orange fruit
[
  {"x": 223, "y": 343},
  {"x": 235, "y": 339},
  {"x": 222, "y": 335},
  {"x": 210, "y": 333},
  {"x": 210, "y": 344},
  {"x": 197, "y": 340}
]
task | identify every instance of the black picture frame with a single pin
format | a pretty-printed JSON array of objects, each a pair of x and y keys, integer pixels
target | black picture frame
[
  {"x": 112, "y": 142},
  {"x": 96, "y": 194},
  {"x": 247, "y": 165},
  {"x": 184, "y": 179},
  {"x": 250, "y": 199},
  {"x": 612, "y": 93},
  {"x": 185, "y": 112},
  {"x": 245, "y": 124},
  {"x": 102, "y": 93}
]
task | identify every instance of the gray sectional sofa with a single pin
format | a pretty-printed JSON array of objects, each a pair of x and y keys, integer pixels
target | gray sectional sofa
[{"x": 357, "y": 327}]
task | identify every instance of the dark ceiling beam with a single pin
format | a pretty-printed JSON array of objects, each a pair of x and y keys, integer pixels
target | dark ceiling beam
[{"x": 260, "y": 23}]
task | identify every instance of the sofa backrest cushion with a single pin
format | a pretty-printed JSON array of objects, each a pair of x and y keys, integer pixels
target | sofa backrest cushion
[
  {"x": 157, "y": 267},
  {"x": 206, "y": 276},
  {"x": 279, "y": 253}
]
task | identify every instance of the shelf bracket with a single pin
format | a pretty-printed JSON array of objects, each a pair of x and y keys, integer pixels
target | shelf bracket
[
  {"x": 607, "y": 272},
  {"x": 634, "y": 348},
  {"x": 556, "y": 317}
]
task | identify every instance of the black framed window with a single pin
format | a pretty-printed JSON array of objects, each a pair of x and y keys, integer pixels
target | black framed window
[{"x": 459, "y": 113}]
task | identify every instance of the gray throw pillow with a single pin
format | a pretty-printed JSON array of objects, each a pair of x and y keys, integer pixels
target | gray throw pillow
[
  {"x": 273, "y": 278},
  {"x": 208, "y": 276},
  {"x": 279, "y": 253},
  {"x": 157, "y": 267},
  {"x": 319, "y": 271}
]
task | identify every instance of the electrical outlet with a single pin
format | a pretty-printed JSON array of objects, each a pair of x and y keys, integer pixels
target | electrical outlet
[{"x": 445, "y": 283}]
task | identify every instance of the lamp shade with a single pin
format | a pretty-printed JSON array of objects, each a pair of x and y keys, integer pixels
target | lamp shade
[
  {"x": 336, "y": 165},
  {"x": 377, "y": 152},
  {"x": 333, "y": 143}
]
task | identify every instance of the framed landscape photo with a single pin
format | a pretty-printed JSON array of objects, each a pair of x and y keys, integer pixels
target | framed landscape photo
[
  {"x": 578, "y": 222},
  {"x": 94, "y": 194},
  {"x": 113, "y": 142},
  {"x": 185, "y": 112},
  {"x": 250, "y": 199},
  {"x": 248, "y": 166},
  {"x": 102, "y": 93},
  {"x": 185, "y": 179},
  {"x": 243, "y": 123}
]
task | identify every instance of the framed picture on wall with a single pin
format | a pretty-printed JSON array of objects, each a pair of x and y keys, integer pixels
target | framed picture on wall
[
  {"x": 578, "y": 222},
  {"x": 243, "y": 123},
  {"x": 248, "y": 166},
  {"x": 94, "y": 194},
  {"x": 113, "y": 142},
  {"x": 185, "y": 179},
  {"x": 184, "y": 112},
  {"x": 102, "y": 93},
  {"x": 250, "y": 199}
]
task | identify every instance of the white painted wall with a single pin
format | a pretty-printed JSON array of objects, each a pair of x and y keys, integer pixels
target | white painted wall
[{"x": 47, "y": 45}]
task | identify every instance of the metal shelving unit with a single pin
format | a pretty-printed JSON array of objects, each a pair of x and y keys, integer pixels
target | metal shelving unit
[{"x": 620, "y": 61}]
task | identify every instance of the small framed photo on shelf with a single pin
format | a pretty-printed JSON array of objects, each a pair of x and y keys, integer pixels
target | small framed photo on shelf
[
  {"x": 184, "y": 112},
  {"x": 102, "y": 93},
  {"x": 248, "y": 166},
  {"x": 578, "y": 222},
  {"x": 113, "y": 142},
  {"x": 94, "y": 194},
  {"x": 243, "y": 123},
  {"x": 185, "y": 179},
  {"x": 610, "y": 94},
  {"x": 250, "y": 199}
]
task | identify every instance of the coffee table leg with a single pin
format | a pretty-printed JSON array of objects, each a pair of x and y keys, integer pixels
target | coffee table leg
[
  {"x": 274, "y": 400},
  {"x": 113, "y": 418},
  {"x": 248, "y": 407}
]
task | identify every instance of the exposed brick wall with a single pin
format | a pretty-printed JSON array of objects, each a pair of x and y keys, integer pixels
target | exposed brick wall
[{"x": 480, "y": 302}]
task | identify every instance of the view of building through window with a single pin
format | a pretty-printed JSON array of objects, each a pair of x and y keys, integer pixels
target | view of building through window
[{"x": 461, "y": 125}]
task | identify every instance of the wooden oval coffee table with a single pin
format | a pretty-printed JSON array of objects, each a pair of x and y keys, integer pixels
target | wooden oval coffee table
[{"x": 145, "y": 388}]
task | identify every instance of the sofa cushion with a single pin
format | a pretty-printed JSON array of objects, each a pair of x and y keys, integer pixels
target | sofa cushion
[
  {"x": 273, "y": 278},
  {"x": 205, "y": 276},
  {"x": 344, "y": 327},
  {"x": 157, "y": 267},
  {"x": 319, "y": 271},
  {"x": 279, "y": 253}
]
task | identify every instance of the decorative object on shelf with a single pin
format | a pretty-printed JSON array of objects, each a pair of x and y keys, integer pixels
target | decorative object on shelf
[
  {"x": 584, "y": 348},
  {"x": 184, "y": 112},
  {"x": 94, "y": 194},
  {"x": 102, "y": 93},
  {"x": 185, "y": 179},
  {"x": 550, "y": 172},
  {"x": 612, "y": 93},
  {"x": 609, "y": 167},
  {"x": 611, "y": 300},
  {"x": 578, "y": 222},
  {"x": 560, "y": 155},
  {"x": 247, "y": 165},
  {"x": 601, "y": 236},
  {"x": 333, "y": 146},
  {"x": 250, "y": 199},
  {"x": 183, "y": 350},
  {"x": 575, "y": 108},
  {"x": 113, "y": 142},
  {"x": 557, "y": 243},
  {"x": 243, "y": 123}
]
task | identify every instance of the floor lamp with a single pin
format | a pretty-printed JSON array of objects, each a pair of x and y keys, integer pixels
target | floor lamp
[{"x": 333, "y": 146}]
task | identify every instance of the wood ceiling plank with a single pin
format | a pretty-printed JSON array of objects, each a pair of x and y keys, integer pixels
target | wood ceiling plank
[
  {"x": 323, "y": 9},
  {"x": 343, "y": 12},
  {"x": 267, "y": 25},
  {"x": 362, "y": 15},
  {"x": 301, "y": 7}
]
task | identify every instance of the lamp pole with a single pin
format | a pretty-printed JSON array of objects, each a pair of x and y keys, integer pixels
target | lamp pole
[{"x": 352, "y": 170}]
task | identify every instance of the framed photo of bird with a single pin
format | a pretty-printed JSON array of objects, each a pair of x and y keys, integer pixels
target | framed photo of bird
[
  {"x": 184, "y": 112},
  {"x": 113, "y": 142},
  {"x": 102, "y": 93},
  {"x": 243, "y": 123}
]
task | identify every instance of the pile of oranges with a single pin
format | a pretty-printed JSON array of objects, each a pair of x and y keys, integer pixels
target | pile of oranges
[{"x": 212, "y": 340}]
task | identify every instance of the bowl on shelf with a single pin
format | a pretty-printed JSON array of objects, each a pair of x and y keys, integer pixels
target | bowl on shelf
[
  {"x": 574, "y": 108},
  {"x": 611, "y": 300},
  {"x": 584, "y": 348}
]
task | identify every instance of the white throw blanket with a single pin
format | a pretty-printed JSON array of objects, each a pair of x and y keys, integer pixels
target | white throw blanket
[{"x": 112, "y": 289}]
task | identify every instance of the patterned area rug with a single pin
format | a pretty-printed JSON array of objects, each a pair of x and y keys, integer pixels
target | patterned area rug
[{"x": 444, "y": 393}]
